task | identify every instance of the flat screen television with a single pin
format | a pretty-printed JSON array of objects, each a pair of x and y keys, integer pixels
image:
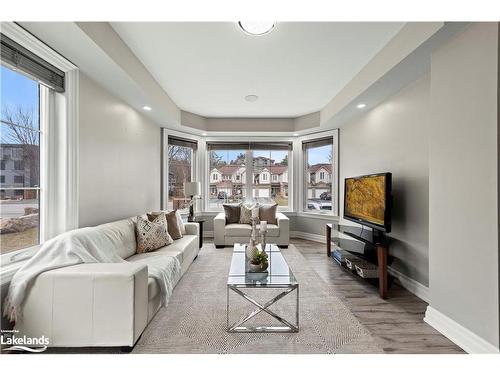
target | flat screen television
[{"x": 368, "y": 200}]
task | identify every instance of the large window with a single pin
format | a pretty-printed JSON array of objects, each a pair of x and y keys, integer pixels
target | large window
[
  {"x": 270, "y": 176},
  {"x": 227, "y": 176},
  {"x": 318, "y": 175},
  {"x": 20, "y": 161},
  {"x": 181, "y": 169},
  {"x": 248, "y": 172}
]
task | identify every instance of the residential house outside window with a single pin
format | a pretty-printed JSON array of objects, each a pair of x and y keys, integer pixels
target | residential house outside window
[
  {"x": 20, "y": 165},
  {"x": 318, "y": 172},
  {"x": 266, "y": 163},
  {"x": 228, "y": 173},
  {"x": 181, "y": 169},
  {"x": 227, "y": 182}
]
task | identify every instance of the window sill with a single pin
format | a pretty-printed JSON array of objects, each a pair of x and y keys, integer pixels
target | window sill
[{"x": 318, "y": 216}]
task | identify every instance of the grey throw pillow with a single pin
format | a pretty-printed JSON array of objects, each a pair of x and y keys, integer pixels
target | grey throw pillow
[
  {"x": 232, "y": 212},
  {"x": 268, "y": 213}
]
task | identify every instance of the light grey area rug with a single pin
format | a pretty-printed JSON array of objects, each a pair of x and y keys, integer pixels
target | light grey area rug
[{"x": 195, "y": 319}]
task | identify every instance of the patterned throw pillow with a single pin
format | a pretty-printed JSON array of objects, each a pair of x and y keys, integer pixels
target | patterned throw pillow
[
  {"x": 151, "y": 235},
  {"x": 246, "y": 215}
]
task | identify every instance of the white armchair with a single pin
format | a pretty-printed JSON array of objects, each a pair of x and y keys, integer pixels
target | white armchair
[{"x": 227, "y": 235}]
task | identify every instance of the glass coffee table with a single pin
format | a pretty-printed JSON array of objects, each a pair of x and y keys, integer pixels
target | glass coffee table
[{"x": 278, "y": 277}]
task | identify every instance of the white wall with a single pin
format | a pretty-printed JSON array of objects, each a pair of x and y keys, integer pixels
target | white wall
[
  {"x": 393, "y": 137},
  {"x": 119, "y": 158},
  {"x": 463, "y": 181}
]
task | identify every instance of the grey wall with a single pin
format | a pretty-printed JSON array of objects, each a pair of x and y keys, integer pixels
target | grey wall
[
  {"x": 463, "y": 183},
  {"x": 393, "y": 137},
  {"x": 119, "y": 158}
]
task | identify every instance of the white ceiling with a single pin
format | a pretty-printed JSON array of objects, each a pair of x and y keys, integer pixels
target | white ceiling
[{"x": 208, "y": 68}]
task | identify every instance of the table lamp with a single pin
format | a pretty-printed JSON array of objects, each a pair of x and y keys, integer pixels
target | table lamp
[{"x": 192, "y": 189}]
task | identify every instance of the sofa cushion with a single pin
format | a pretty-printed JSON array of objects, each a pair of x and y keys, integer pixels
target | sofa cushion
[
  {"x": 268, "y": 213},
  {"x": 177, "y": 249},
  {"x": 235, "y": 230},
  {"x": 122, "y": 235},
  {"x": 232, "y": 212},
  {"x": 272, "y": 230}
]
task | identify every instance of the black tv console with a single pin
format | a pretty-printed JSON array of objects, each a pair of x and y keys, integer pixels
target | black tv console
[{"x": 372, "y": 246}]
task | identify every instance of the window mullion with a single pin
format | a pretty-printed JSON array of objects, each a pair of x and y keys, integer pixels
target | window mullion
[{"x": 249, "y": 175}]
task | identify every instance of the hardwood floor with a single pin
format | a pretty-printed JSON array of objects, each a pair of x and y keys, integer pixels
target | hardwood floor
[{"x": 397, "y": 323}]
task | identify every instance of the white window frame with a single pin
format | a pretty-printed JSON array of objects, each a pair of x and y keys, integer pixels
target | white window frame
[
  {"x": 195, "y": 163},
  {"x": 303, "y": 175},
  {"x": 58, "y": 155}
]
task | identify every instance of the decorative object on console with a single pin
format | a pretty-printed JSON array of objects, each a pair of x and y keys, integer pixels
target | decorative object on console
[
  {"x": 152, "y": 235},
  {"x": 251, "y": 250},
  {"x": 232, "y": 212},
  {"x": 259, "y": 262},
  {"x": 263, "y": 233},
  {"x": 192, "y": 190}
]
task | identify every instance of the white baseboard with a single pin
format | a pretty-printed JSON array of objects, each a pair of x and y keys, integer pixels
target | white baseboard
[
  {"x": 463, "y": 337},
  {"x": 411, "y": 285},
  {"x": 307, "y": 236}
]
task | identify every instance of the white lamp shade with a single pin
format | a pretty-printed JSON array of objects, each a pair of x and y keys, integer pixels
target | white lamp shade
[{"x": 192, "y": 188}]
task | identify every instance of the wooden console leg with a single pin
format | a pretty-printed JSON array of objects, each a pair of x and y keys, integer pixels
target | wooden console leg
[{"x": 382, "y": 271}]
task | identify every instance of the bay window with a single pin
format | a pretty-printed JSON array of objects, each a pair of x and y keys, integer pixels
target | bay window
[{"x": 248, "y": 172}]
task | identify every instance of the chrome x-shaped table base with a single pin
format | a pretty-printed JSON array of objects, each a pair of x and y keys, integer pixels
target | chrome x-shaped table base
[{"x": 286, "y": 327}]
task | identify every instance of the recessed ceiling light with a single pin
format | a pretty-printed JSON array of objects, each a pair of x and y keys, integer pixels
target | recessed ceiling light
[
  {"x": 361, "y": 105},
  {"x": 251, "y": 98},
  {"x": 256, "y": 27},
  {"x": 295, "y": 134},
  {"x": 204, "y": 134},
  {"x": 146, "y": 108}
]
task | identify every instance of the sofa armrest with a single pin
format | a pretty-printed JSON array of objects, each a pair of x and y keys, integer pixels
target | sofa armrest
[
  {"x": 282, "y": 218},
  {"x": 191, "y": 228},
  {"x": 284, "y": 226},
  {"x": 92, "y": 304},
  {"x": 219, "y": 229}
]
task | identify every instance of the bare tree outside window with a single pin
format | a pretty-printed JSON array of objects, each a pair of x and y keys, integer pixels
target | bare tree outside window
[
  {"x": 20, "y": 161},
  {"x": 179, "y": 172}
]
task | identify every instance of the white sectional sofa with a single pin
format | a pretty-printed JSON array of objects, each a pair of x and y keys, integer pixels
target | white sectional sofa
[
  {"x": 227, "y": 235},
  {"x": 102, "y": 304}
]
